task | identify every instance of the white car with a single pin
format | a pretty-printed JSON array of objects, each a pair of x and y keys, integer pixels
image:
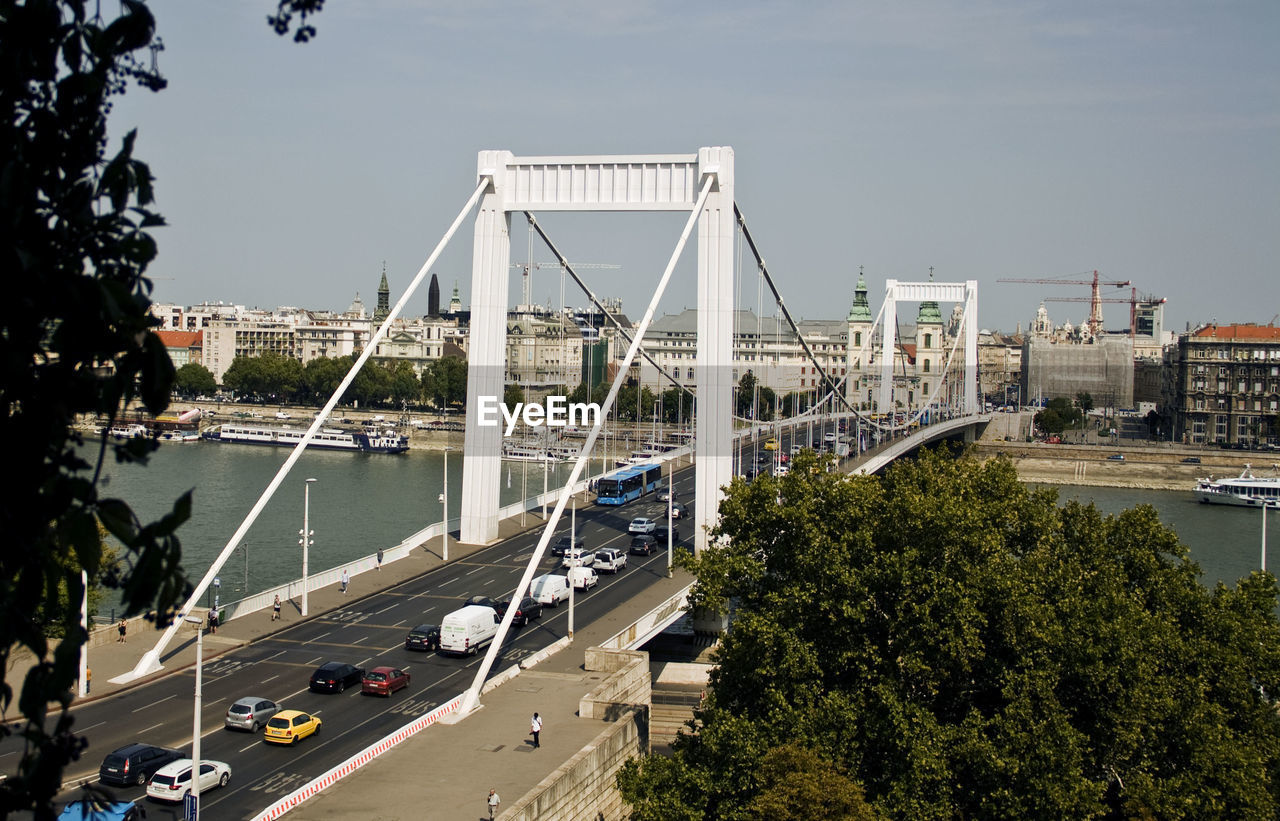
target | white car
[
  {"x": 795, "y": 449},
  {"x": 172, "y": 782},
  {"x": 578, "y": 557},
  {"x": 641, "y": 525},
  {"x": 781, "y": 470},
  {"x": 664, "y": 494},
  {"x": 829, "y": 437}
]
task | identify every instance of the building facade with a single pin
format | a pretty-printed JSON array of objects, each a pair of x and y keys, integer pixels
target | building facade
[{"x": 1222, "y": 386}]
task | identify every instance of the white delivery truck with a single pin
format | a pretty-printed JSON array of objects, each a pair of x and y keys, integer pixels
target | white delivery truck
[
  {"x": 583, "y": 578},
  {"x": 466, "y": 630},
  {"x": 550, "y": 588}
]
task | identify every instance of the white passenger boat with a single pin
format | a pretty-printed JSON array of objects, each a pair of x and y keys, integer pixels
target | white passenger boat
[
  {"x": 1246, "y": 490},
  {"x": 179, "y": 436},
  {"x": 361, "y": 441},
  {"x": 128, "y": 431},
  {"x": 515, "y": 452}
]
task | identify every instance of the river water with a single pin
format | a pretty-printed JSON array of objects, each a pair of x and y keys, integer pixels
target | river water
[
  {"x": 359, "y": 504},
  {"x": 363, "y": 502}
]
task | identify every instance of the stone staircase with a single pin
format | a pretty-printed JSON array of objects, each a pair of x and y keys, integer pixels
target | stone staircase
[{"x": 672, "y": 708}]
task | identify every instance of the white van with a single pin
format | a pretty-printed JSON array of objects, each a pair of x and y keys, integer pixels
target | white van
[
  {"x": 550, "y": 588},
  {"x": 466, "y": 630},
  {"x": 583, "y": 578}
]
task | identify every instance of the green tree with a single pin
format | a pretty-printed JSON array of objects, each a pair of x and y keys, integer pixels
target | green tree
[
  {"x": 1084, "y": 400},
  {"x": 746, "y": 394},
  {"x": 246, "y": 376},
  {"x": 962, "y": 647},
  {"x": 512, "y": 395},
  {"x": 194, "y": 379},
  {"x": 321, "y": 377},
  {"x": 405, "y": 387},
  {"x": 76, "y": 338},
  {"x": 445, "y": 382}
]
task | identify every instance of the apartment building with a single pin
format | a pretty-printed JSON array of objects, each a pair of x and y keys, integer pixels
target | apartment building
[{"x": 1222, "y": 385}]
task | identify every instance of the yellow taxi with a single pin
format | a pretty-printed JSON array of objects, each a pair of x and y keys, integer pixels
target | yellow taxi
[
  {"x": 771, "y": 444},
  {"x": 290, "y": 727}
]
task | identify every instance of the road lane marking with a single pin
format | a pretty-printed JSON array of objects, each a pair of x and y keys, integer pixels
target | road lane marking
[{"x": 154, "y": 703}]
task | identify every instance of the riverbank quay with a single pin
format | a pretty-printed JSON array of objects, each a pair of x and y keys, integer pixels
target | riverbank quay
[{"x": 1147, "y": 465}]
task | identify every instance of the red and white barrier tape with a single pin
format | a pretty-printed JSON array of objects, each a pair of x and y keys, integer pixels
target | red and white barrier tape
[{"x": 357, "y": 761}]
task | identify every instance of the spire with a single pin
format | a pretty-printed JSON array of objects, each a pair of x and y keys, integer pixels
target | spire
[
  {"x": 455, "y": 302},
  {"x": 384, "y": 296},
  {"x": 861, "y": 310},
  {"x": 929, "y": 311}
]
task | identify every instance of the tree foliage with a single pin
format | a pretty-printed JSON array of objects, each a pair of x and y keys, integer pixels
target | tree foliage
[
  {"x": 76, "y": 339},
  {"x": 445, "y": 382},
  {"x": 962, "y": 647},
  {"x": 194, "y": 379},
  {"x": 1058, "y": 415}
]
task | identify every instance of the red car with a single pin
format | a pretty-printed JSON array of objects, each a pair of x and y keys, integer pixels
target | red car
[{"x": 383, "y": 681}]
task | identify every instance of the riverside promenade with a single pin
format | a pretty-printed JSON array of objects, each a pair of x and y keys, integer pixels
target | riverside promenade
[{"x": 446, "y": 770}]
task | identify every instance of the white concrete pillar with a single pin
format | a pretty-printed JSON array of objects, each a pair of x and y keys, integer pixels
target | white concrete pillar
[
  {"x": 972, "y": 402},
  {"x": 714, "y": 428},
  {"x": 888, "y": 331},
  {"x": 486, "y": 354}
]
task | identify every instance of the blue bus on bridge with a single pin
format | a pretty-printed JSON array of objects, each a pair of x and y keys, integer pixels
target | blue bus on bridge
[{"x": 627, "y": 484}]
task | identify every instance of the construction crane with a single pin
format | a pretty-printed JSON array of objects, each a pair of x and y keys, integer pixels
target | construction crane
[
  {"x": 1095, "y": 299},
  {"x": 1133, "y": 301},
  {"x": 527, "y": 268}
]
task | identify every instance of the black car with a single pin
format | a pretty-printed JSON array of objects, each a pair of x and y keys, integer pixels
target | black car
[
  {"x": 678, "y": 511},
  {"x": 529, "y": 609},
  {"x": 423, "y": 637},
  {"x": 135, "y": 763},
  {"x": 480, "y": 601},
  {"x": 563, "y": 544},
  {"x": 661, "y": 534},
  {"x": 336, "y": 676},
  {"x": 643, "y": 545},
  {"x": 1191, "y": 460}
]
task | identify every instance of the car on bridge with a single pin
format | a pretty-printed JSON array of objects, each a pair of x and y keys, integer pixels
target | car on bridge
[
  {"x": 660, "y": 534},
  {"x": 529, "y": 608},
  {"x": 334, "y": 677},
  {"x": 583, "y": 578},
  {"x": 480, "y": 601},
  {"x": 578, "y": 558},
  {"x": 135, "y": 763},
  {"x": 641, "y": 525},
  {"x": 290, "y": 727},
  {"x": 771, "y": 443},
  {"x": 678, "y": 511},
  {"x": 610, "y": 559},
  {"x": 643, "y": 545},
  {"x": 172, "y": 782},
  {"x": 423, "y": 637},
  {"x": 665, "y": 494},
  {"x": 383, "y": 681},
  {"x": 250, "y": 713},
  {"x": 564, "y": 543}
]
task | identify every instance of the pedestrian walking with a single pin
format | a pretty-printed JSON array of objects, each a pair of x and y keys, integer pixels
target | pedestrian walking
[
  {"x": 492, "y": 803},
  {"x": 123, "y": 628},
  {"x": 379, "y": 558},
  {"x": 213, "y": 620},
  {"x": 88, "y": 680},
  {"x": 275, "y": 609},
  {"x": 345, "y": 581},
  {"x": 535, "y": 727}
]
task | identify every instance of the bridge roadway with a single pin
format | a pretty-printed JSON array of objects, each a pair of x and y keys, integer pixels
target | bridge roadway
[{"x": 364, "y": 628}]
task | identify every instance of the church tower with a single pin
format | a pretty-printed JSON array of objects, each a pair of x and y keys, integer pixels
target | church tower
[
  {"x": 930, "y": 349},
  {"x": 455, "y": 302},
  {"x": 384, "y": 298},
  {"x": 859, "y": 350}
]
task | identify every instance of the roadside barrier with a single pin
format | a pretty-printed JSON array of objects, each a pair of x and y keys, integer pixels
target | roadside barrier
[{"x": 355, "y": 762}]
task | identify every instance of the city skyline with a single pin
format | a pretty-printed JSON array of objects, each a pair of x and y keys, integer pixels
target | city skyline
[{"x": 997, "y": 141}]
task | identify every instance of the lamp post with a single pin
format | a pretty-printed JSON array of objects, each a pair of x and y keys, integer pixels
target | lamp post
[
  {"x": 195, "y": 731},
  {"x": 573, "y": 535},
  {"x": 444, "y": 510},
  {"x": 306, "y": 540},
  {"x": 671, "y": 492},
  {"x": 1265, "y": 505},
  {"x": 83, "y": 688}
]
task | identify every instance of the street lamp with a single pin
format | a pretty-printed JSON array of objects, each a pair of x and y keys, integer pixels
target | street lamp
[
  {"x": 444, "y": 508},
  {"x": 195, "y": 732},
  {"x": 671, "y": 492},
  {"x": 573, "y": 535},
  {"x": 306, "y": 541}
]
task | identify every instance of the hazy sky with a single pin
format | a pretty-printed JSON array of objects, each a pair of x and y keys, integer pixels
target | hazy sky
[{"x": 986, "y": 139}]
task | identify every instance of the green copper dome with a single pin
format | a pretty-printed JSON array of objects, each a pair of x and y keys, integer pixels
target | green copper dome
[{"x": 861, "y": 311}]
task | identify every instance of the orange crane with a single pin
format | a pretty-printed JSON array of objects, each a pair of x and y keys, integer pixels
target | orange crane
[{"x": 1095, "y": 300}]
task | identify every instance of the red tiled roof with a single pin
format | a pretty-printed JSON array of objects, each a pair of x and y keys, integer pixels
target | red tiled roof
[
  {"x": 1258, "y": 332},
  {"x": 180, "y": 339}
]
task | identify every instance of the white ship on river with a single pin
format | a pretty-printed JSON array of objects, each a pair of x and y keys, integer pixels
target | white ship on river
[
  {"x": 370, "y": 440},
  {"x": 1245, "y": 490}
]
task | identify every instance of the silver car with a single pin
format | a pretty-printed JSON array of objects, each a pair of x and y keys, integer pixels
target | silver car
[{"x": 250, "y": 713}]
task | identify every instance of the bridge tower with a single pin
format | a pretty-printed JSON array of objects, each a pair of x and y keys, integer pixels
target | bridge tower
[
  {"x": 930, "y": 292},
  {"x": 669, "y": 182}
]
